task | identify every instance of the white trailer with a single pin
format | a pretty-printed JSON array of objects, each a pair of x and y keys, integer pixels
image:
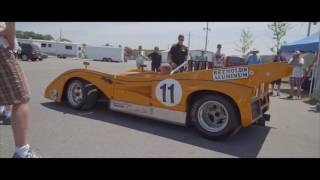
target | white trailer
[
  {"x": 104, "y": 53},
  {"x": 59, "y": 49}
]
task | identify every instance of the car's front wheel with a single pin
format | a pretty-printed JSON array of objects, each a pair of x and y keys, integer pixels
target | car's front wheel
[
  {"x": 81, "y": 94},
  {"x": 215, "y": 117}
]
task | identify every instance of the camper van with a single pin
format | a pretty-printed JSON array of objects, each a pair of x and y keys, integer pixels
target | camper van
[
  {"x": 54, "y": 48},
  {"x": 104, "y": 53}
]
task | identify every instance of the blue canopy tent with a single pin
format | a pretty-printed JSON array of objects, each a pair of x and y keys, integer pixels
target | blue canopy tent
[{"x": 309, "y": 44}]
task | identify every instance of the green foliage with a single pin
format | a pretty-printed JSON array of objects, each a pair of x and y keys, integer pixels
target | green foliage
[
  {"x": 279, "y": 30},
  {"x": 245, "y": 42},
  {"x": 31, "y": 34},
  {"x": 65, "y": 40}
]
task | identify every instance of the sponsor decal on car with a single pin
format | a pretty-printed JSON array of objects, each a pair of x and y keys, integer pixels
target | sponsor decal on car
[{"x": 230, "y": 73}]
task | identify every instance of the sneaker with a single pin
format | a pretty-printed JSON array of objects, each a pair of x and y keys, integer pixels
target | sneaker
[
  {"x": 30, "y": 154},
  {"x": 290, "y": 97}
]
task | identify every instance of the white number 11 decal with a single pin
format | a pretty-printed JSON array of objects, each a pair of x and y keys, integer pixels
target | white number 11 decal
[
  {"x": 172, "y": 97},
  {"x": 164, "y": 94}
]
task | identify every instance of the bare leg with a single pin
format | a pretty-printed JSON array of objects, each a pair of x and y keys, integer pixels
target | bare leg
[
  {"x": 278, "y": 89},
  {"x": 19, "y": 123},
  {"x": 299, "y": 90},
  {"x": 291, "y": 89}
]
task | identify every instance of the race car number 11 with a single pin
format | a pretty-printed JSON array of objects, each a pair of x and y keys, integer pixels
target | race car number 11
[{"x": 169, "y": 92}]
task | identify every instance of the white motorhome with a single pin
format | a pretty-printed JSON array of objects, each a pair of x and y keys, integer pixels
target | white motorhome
[
  {"x": 55, "y": 48},
  {"x": 104, "y": 53}
]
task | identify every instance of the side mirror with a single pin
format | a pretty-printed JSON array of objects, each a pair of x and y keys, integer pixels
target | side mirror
[{"x": 86, "y": 64}]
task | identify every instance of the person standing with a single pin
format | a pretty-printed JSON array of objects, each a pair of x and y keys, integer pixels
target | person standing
[
  {"x": 297, "y": 63},
  {"x": 254, "y": 58},
  {"x": 203, "y": 56},
  {"x": 217, "y": 57},
  {"x": 14, "y": 90},
  {"x": 178, "y": 53},
  {"x": 140, "y": 58},
  {"x": 155, "y": 57},
  {"x": 277, "y": 58}
]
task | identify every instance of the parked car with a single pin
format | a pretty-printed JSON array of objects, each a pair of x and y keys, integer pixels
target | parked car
[{"x": 29, "y": 51}]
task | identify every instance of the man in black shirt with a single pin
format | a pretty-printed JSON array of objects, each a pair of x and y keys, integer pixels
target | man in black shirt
[
  {"x": 277, "y": 58},
  {"x": 178, "y": 53},
  {"x": 155, "y": 57}
]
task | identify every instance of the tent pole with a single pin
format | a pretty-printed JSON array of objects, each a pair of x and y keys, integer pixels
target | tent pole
[
  {"x": 315, "y": 78},
  {"x": 316, "y": 70},
  {"x": 315, "y": 67}
]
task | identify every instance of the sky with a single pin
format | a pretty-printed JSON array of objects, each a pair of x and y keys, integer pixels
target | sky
[{"x": 164, "y": 34}]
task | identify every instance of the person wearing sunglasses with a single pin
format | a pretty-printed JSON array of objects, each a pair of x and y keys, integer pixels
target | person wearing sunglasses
[{"x": 178, "y": 53}]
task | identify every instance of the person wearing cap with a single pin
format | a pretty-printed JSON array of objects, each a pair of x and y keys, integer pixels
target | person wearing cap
[
  {"x": 297, "y": 63},
  {"x": 155, "y": 57},
  {"x": 178, "y": 53},
  {"x": 253, "y": 58}
]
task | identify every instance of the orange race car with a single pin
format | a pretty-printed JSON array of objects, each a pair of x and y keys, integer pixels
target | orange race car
[{"x": 217, "y": 101}]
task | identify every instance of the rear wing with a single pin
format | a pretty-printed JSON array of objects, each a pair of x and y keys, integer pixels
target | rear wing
[
  {"x": 250, "y": 75},
  {"x": 254, "y": 74}
]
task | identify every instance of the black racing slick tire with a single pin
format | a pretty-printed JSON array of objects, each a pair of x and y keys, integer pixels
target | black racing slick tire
[
  {"x": 81, "y": 95},
  {"x": 215, "y": 117}
]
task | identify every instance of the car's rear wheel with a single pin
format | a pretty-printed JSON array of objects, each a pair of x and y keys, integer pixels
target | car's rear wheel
[
  {"x": 215, "y": 117},
  {"x": 81, "y": 94}
]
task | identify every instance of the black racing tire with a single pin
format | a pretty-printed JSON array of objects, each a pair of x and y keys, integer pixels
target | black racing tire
[
  {"x": 91, "y": 96},
  {"x": 81, "y": 94},
  {"x": 220, "y": 107}
]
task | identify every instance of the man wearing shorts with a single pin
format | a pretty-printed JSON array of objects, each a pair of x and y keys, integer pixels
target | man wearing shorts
[
  {"x": 297, "y": 63},
  {"x": 14, "y": 90}
]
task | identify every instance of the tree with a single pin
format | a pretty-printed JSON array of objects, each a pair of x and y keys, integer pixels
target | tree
[
  {"x": 245, "y": 42},
  {"x": 31, "y": 34},
  {"x": 65, "y": 40},
  {"x": 47, "y": 37},
  {"x": 279, "y": 30}
]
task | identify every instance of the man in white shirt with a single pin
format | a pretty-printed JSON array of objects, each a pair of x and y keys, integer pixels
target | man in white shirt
[{"x": 297, "y": 63}]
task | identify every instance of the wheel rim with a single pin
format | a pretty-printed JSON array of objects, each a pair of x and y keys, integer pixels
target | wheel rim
[
  {"x": 213, "y": 116},
  {"x": 75, "y": 94}
]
